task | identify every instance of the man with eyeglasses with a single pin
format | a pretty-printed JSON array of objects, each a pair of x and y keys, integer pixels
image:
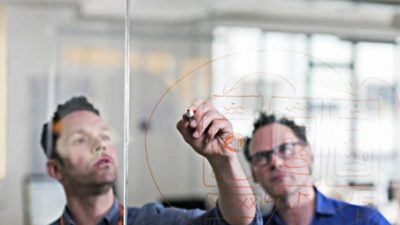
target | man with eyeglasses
[{"x": 281, "y": 161}]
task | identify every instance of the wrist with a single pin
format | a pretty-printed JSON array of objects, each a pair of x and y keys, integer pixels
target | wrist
[
  {"x": 223, "y": 161},
  {"x": 233, "y": 143}
]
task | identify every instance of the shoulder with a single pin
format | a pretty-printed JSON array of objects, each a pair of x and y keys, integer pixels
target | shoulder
[
  {"x": 361, "y": 214},
  {"x": 154, "y": 207},
  {"x": 156, "y": 212}
]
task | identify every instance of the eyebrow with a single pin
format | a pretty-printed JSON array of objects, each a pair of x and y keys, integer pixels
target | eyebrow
[
  {"x": 82, "y": 131},
  {"x": 77, "y": 132}
]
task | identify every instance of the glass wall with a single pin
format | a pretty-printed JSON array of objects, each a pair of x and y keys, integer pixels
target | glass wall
[
  {"x": 56, "y": 50},
  {"x": 343, "y": 91}
]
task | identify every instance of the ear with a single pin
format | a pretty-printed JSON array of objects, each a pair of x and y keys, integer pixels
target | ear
[
  {"x": 253, "y": 174},
  {"x": 53, "y": 169},
  {"x": 310, "y": 154},
  {"x": 311, "y": 159}
]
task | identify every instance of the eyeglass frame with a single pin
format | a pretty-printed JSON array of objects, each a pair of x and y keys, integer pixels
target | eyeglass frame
[{"x": 267, "y": 154}]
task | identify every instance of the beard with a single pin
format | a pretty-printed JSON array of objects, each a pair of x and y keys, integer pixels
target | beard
[{"x": 92, "y": 183}]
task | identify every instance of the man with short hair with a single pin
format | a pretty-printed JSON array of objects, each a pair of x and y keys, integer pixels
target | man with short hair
[
  {"x": 281, "y": 162},
  {"x": 82, "y": 157}
]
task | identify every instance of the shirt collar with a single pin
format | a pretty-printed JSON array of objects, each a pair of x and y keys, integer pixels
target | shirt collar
[
  {"x": 67, "y": 217},
  {"x": 113, "y": 214},
  {"x": 111, "y": 217},
  {"x": 324, "y": 204}
]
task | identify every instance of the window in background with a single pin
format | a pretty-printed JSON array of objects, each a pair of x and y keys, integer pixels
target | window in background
[
  {"x": 341, "y": 90},
  {"x": 375, "y": 70},
  {"x": 330, "y": 49},
  {"x": 375, "y": 66}
]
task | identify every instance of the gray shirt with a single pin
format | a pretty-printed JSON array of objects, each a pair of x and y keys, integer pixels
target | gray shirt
[{"x": 155, "y": 213}]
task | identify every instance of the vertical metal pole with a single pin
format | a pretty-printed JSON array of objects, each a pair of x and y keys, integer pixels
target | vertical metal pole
[{"x": 126, "y": 107}]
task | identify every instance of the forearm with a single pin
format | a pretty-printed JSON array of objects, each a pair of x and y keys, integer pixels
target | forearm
[
  {"x": 210, "y": 134},
  {"x": 236, "y": 199}
]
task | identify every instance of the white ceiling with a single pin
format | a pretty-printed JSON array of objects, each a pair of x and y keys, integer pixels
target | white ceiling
[
  {"x": 313, "y": 15},
  {"x": 199, "y": 9},
  {"x": 195, "y": 9}
]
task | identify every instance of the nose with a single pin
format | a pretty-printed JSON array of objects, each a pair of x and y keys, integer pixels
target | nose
[
  {"x": 99, "y": 146},
  {"x": 276, "y": 161}
]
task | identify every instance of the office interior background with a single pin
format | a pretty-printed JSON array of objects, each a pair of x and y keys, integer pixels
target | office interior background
[{"x": 331, "y": 65}]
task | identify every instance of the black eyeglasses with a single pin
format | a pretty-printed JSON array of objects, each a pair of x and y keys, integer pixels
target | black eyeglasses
[{"x": 284, "y": 151}]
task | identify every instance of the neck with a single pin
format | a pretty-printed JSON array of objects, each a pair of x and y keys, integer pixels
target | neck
[
  {"x": 89, "y": 209},
  {"x": 298, "y": 207}
]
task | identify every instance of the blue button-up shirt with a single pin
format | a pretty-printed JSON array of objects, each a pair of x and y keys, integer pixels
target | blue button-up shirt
[
  {"x": 333, "y": 212},
  {"x": 156, "y": 214}
]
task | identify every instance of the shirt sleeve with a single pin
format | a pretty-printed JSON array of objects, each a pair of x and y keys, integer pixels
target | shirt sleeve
[
  {"x": 156, "y": 214},
  {"x": 214, "y": 217},
  {"x": 370, "y": 216},
  {"x": 379, "y": 219}
]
